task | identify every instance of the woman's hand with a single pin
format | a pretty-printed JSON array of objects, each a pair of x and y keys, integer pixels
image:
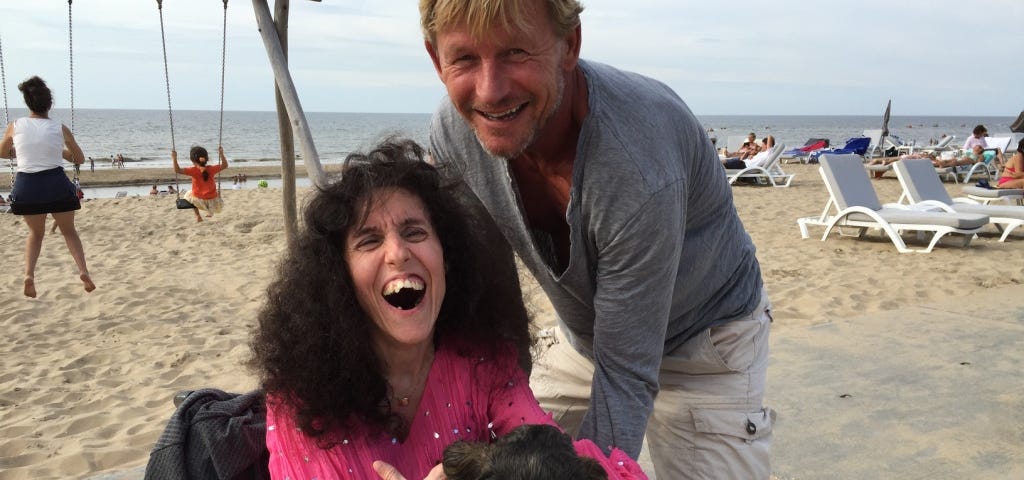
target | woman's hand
[{"x": 388, "y": 472}]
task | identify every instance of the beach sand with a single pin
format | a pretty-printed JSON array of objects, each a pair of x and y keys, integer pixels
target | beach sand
[
  {"x": 107, "y": 176},
  {"x": 883, "y": 365}
]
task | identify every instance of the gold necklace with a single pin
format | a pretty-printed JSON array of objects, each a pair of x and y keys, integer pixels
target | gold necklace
[{"x": 421, "y": 377}]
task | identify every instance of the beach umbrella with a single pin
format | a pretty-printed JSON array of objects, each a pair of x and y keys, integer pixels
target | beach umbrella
[
  {"x": 885, "y": 120},
  {"x": 1018, "y": 124}
]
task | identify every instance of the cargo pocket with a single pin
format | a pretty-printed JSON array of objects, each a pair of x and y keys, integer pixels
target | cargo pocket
[{"x": 733, "y": 444}]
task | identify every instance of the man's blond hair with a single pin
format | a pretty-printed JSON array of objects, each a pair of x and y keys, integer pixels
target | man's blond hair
[{"x": 480, "y": 15}]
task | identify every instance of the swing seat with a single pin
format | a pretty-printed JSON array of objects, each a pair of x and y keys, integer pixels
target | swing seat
[{"x": 182, "y": 204}]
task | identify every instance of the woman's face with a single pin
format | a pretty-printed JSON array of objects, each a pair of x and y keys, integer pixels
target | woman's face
[{"x": 397, "y": 266}]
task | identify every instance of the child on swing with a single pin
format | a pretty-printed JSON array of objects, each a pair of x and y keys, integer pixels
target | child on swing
[{"x": 203, "y": 195}]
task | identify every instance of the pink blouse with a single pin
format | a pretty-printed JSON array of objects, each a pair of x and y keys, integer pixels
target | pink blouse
[
  {"x": 618, "y": 465},
  {"x": 473, "y": 399},
  {"x": 464, "y": 399}
]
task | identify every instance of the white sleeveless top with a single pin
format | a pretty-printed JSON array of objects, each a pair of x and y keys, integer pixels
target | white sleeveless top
[{"x": 38, "y": 142}]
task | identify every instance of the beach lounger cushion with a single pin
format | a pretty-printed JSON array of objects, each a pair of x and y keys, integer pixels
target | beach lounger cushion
[
  {"x": 920, "y": 187},
  {"x": 965, "y": 221},
  {"x": 856, "y": 203},
  {"x": 994, "y": 193}
]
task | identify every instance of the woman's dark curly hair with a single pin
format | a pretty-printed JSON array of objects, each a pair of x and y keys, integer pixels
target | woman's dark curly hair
[
  {"x": 530, "y": 452},
  {"x": 311, "y": 347},
  {"x": 37, "y": 95}
]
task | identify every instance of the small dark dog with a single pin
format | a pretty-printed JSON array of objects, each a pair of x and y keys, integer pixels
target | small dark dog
[{"x": 530, "y": 452}]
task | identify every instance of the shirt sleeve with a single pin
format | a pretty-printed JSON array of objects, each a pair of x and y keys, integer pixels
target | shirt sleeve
[{"x": 635, "y": 278}]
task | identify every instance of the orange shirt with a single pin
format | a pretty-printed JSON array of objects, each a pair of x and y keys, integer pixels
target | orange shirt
[{"x": 204, "y": 189}]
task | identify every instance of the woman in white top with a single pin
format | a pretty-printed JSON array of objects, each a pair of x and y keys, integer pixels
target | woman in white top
[{"x": 41, "y": 187}]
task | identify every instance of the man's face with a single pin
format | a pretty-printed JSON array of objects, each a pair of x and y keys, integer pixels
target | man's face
[{"x": 509, "y": 83}]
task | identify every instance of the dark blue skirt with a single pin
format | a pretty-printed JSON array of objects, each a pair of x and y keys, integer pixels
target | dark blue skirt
[{"x": 48, "y": 191}]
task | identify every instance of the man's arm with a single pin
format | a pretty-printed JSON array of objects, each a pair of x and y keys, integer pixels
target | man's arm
[{"x": 635, "y": 279}]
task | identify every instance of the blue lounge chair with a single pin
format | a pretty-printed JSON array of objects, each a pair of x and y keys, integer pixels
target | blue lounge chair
[
  {"x": 802, "y": 154},
  {"x": 855, "y": 146}
]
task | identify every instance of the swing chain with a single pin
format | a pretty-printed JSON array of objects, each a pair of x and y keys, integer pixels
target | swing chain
[
  {"x": 71, "y": 73},
  {"x": 3, "y": 81},
  {"x": 223, "y": 67},
  {"x": 167, "y": 76},
  {"x": 71, "y": 68},
  {"x": 167, "y": 82}
]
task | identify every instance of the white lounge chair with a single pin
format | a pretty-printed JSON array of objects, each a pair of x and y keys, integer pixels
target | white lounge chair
[
  {"x": 945, "y": 144},
  {"x": 922, "y": 187},
  {"x": 988, "y": 195},
  {"x": 876, "y": 143},
  {"x": 964, "y": 173},
  {"x": 769, "y": 172},
  {"x": 733, "y": 143},
  {"x": 856, "y": 204}
]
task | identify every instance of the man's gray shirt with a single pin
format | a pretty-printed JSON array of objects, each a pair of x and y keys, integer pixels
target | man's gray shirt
[{"x": 658, "y": 252}]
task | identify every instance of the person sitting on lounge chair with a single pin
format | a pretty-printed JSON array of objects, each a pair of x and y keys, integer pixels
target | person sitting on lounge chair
[
  {"x": 755, "y": 160},
  {"x": 749, "y": 148},
  {"x": 1013, "y": 170},
  {"x": 977, "y": 138},
  {"x": 980, "y": 154}
]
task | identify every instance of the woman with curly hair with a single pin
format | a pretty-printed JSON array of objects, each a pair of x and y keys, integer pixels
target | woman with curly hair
[
  {"x": 389, "y": 331},
  {"x": 41, "y": 144}
]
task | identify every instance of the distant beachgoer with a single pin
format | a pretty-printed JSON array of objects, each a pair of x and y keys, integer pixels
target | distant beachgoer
[
  {"x": 979, "y": 154},
  {"x": 154, "y": 191},
  {"x": 755, "y": 160},
  {"x": 749, "y": 148},
  {"x": 236, "y": 185},
  {"x": 41, "y": 187},
  {"x": 203, "y": 195},
  {"x": 92, "y": 165},
  {"x": 171, "y": 189},
  {"x": 977, "y": 138},
  {"x": 1013, "y": 170}
]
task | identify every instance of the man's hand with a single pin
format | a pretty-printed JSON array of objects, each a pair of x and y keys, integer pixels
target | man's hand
[{"x": 388, "y": 472}]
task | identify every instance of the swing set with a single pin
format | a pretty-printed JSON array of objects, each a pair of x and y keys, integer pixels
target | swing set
[
  {"x": 71, "y": 72},
  {"x": 181, "y": 203}
]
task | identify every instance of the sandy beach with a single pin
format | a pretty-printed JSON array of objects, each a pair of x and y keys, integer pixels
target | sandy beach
[
  {"x": 883, "y": 365},
  {"x": 105, "y": 176}
]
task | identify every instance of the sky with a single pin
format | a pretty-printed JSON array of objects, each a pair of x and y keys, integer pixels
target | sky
[{"x": 785, "y": 57}]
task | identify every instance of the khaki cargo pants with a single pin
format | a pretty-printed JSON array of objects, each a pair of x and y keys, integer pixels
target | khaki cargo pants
[{"x": 708, "y": 420}]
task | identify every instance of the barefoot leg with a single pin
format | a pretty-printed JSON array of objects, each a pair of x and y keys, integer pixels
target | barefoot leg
[
  {"x": 89, "y": 286},
  {"x": 30, "y": 288},
  {"x": 33, "y": 244},
  {"x": 66, "y": 220}
]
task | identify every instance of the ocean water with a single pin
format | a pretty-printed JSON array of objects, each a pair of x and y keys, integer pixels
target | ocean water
[{"x": 143, "y": 137}]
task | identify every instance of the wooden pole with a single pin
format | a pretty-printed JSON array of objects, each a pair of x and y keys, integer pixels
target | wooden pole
[
  {"x": 287, "y": 140},
  {"x": 283, "y": 79}
]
